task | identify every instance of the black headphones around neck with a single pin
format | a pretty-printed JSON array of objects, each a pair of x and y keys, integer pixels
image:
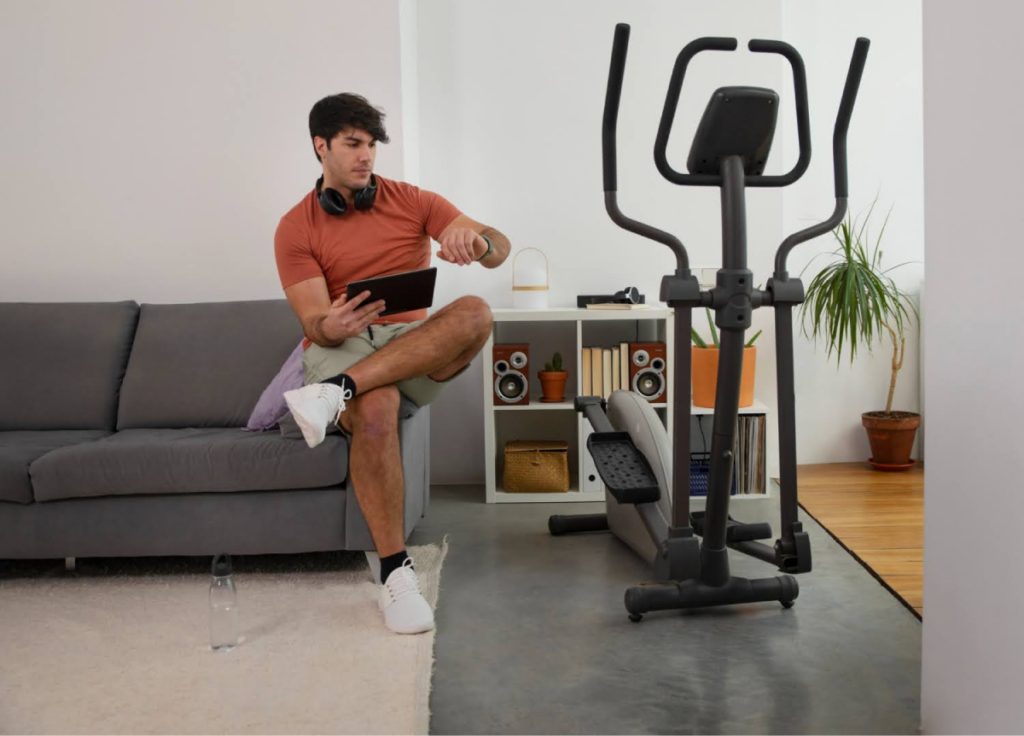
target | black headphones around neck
[{"x": 334, "y": 203}]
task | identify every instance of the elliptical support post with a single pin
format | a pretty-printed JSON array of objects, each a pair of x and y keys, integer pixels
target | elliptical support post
[
  {"x": 681, "y": 423},
  {"x": 731, "y": 299},
  {"x": 786, "y": 553}
]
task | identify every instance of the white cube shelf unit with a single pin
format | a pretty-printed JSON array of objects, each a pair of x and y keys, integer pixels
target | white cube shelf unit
[{"x": 567, "y": 331}]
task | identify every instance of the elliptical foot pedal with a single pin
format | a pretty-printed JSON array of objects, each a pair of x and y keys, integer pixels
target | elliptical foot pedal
[{"x": 623, "y": 468}]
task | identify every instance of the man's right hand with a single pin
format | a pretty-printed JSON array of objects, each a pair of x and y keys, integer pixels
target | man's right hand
[{"x": 347, "y": 318}]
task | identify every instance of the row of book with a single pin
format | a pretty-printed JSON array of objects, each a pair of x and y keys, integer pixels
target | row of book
[
  {"x": 750, "y": 454},
  {"x": 605, "y": 370}
]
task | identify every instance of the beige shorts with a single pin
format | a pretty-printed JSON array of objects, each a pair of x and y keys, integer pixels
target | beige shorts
[{"x": 320, "y": 363}]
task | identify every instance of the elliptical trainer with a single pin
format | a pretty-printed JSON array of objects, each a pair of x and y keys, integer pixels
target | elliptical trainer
[{"x": 629, "y": 444}]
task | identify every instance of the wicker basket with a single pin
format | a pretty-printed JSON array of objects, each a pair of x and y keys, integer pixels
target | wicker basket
[{"x": 536, "y": 466}]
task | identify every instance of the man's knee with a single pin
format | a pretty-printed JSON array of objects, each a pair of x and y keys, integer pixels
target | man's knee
[
  {"x": 477, "y": 314},
  {"x": 375, "y": 412}
]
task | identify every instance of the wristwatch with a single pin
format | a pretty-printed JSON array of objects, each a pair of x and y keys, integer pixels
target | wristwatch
[{"x": 490, "y": 247}]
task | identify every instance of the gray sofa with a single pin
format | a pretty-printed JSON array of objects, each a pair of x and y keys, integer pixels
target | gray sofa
[{"x": 121, "y": 434}]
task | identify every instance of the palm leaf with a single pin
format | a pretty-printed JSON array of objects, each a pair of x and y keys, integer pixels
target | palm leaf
[{"x": 851, "y": 299}]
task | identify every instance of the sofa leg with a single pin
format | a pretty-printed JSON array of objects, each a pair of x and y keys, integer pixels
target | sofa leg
[{"x": 69, "y": 564}]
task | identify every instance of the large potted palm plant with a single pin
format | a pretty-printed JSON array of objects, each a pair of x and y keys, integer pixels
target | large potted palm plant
[{"x": 851, "y": 301}]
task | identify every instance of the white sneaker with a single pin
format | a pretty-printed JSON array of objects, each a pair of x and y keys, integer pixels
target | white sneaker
[
  {"x": 316, "y": 407},
  {"x": 405, "y": 609}
]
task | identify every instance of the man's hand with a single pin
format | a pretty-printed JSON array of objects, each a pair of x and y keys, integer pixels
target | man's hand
[
  {"x": 461, "y": 246},
  {"x": 347, "y": 318}
]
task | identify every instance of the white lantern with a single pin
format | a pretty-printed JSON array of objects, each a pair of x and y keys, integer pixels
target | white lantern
[{"x": 530, "y": 285}]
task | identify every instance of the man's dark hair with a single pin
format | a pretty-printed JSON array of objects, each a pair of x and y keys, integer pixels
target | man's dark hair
[{"x": 333, "y": 114}]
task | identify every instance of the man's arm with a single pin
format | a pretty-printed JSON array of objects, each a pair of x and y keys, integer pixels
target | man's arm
[
  {"x": 462, "y": 241},
  {"x": 311, "y": 302},
  {"x": 329, "y": 324}
]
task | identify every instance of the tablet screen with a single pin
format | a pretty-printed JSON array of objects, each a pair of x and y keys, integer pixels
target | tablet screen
[{"x": 401, "y": 292}]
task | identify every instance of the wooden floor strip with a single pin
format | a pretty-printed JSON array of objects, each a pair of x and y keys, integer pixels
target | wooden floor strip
[
  {"x": 877, "y": 516},
  {"x": 905, "y": 537}
]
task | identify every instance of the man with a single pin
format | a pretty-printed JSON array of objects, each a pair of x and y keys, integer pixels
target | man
[{"x": 355, "y": 225}]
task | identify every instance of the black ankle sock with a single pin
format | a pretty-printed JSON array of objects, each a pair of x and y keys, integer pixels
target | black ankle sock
[
  {"x": 344, "y": 381},
  {"x": 391, "y": 563}
]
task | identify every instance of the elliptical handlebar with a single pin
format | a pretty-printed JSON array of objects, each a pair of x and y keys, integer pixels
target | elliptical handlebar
[
  {"x": 668, "y": 112},
  {"x": 675, "y": 86},
  {"x": 613, "y": 97},
  {"x": 860, "y": 56},
  {"x": 608, "y": 131},
  {"x": 611, "y": 106},
  {"x": 803, "y": 115},
  {"x": 842, "y": 126}
]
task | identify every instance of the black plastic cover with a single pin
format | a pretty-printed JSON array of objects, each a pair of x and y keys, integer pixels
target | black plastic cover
[{"x": 738, "y": 121}]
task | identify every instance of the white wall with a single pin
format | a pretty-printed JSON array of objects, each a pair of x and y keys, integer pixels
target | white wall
[
  {"x": 135, "y": 170},
  {"x": 148, "y": 150},
  {"x": 885, "y": 159},
  {"x": 511, "y": 100},
  {"x": 408, "y": 33},
  {"x": 973, "y": 668}
]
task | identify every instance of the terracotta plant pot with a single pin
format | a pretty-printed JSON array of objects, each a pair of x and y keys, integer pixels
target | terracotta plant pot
[
  {"x": 891, "y": 437},
  {"x": 705, "y": 376},
  {"x": 553, "y": 385}
]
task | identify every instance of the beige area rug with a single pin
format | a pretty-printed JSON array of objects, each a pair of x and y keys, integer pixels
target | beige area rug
[{"x": 129, "y": 651}]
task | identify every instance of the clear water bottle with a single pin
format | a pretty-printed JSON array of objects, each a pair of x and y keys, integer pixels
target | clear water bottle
[{"x": 223, "y": 606}]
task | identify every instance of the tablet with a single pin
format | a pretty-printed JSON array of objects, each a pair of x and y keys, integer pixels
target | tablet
[{"x": 401, "y": 292}]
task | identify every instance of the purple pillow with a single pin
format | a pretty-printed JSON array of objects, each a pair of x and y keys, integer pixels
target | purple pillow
[{"x": 271, "y": 407}]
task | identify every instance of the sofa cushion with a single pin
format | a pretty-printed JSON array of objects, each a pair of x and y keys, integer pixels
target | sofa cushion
[
  {"x": 61, "y": 364},
  {"x": 18, "y": 450},
  {"x": 159, "y": 461},
  {"x": 204, "y": 365}
]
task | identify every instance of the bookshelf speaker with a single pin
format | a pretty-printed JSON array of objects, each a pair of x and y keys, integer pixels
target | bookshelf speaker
[
  {"x": 648, "y": 370},
  {"x": 511, "y": 374}
]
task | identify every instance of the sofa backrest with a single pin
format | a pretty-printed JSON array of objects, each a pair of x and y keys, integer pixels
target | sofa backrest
[
  {"x": 61, "y": 364},
  {"x": 204, "y": 365}
]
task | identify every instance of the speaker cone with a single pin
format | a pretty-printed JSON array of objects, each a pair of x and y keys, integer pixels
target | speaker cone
[
  {"x": 649, "y": 384},
  {"x": 510, "y": 386}
]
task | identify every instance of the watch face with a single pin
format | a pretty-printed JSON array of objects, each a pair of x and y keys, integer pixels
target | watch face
[{"x": 490, "y": 248}]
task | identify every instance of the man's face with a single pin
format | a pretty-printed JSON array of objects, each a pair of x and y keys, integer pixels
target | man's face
[{"x": 349, "y": 160}]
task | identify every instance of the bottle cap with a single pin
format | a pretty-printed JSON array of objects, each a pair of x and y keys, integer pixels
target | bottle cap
[{"x": 222, "y": 564}]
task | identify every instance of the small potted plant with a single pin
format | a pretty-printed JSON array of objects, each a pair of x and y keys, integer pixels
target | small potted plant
[
  {"x": 852, "y": 300},
  {"x": 705, "y": 368},
  {"x": 552, "y": 380}
]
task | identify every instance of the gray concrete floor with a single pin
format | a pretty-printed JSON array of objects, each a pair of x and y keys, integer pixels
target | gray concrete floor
[{"x": 533, "y": 637}]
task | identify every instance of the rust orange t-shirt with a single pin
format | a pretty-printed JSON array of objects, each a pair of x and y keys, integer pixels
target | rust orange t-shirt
[{"x": 391, "y": 237}]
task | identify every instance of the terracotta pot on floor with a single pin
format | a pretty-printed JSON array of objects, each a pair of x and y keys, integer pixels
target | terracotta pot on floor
[
  {"x": 891, "y": 437},
  {"x": 705, "y": 376}
]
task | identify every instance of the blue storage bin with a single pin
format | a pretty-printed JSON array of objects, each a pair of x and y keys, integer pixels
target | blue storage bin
[{"x": 700, "y": 472}]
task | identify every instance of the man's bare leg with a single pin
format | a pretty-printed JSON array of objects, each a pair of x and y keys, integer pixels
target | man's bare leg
[
  {"x": 438, "y": 348},
  {"x": 375, "y": 466}
]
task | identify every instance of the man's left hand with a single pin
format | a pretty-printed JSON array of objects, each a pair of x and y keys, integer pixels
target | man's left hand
[{"x": 461, "y": 246}]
